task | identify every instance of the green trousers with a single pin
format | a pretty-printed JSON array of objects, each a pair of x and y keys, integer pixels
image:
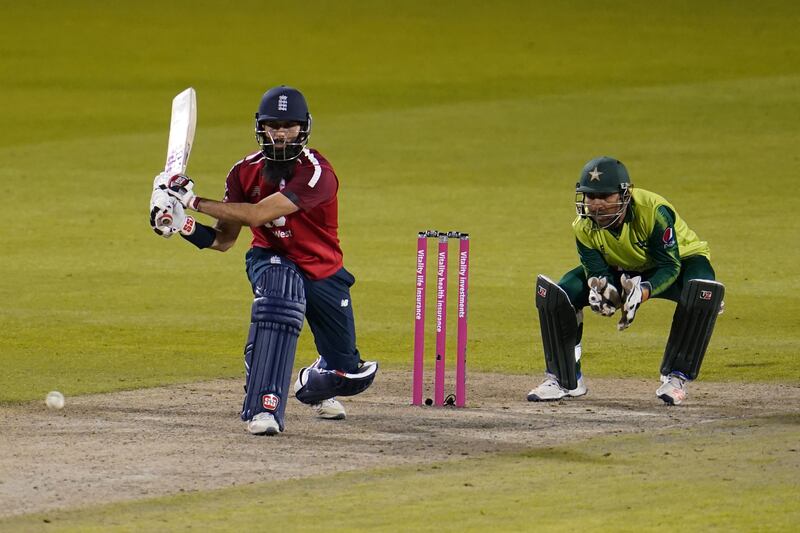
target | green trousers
[{"x": 695, "y": 267}]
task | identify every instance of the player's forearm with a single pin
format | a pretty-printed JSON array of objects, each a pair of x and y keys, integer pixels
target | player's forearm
[
  {"x": 593, "y": 262},
  {"x": 222, "y": 244},
  {"x": 663, "y": 278},
  {"x": 252, "y": 215}
]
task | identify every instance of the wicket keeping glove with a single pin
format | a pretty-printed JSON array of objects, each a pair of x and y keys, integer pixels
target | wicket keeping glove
[
  {"x": 632, "y": 299},
  {"x": 603, "y": 296}
]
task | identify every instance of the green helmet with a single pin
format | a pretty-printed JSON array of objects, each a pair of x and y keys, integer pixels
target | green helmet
[{"x": 603, "y": 175}]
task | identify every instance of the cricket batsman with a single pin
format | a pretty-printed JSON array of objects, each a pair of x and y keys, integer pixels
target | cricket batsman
[
  {"x": 633, "y": 245},
  {"x": 286, "y": 193}
]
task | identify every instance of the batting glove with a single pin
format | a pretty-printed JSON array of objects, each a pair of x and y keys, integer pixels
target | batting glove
[
  {"x": 161, "y": 179},
  {"x": 167, "y": 216},
  {"x": 603, "y": 296},
  {"x": 180, "y": 187}
]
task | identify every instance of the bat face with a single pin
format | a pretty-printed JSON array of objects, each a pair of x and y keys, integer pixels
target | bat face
[
  {"x": 181, "y": 131},
  {"x": 181, "y": 136}
]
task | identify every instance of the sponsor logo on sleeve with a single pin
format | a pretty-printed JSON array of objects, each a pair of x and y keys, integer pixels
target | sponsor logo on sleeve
[{"x": 668, "y": 238}]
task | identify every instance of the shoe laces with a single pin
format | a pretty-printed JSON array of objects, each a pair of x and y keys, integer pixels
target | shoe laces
[
  {"x": 677, "y": 380},
  {"x": 551, "y": 382}
]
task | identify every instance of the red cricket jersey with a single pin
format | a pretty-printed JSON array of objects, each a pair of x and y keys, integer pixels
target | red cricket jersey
[{"x": 309, "y": 237}]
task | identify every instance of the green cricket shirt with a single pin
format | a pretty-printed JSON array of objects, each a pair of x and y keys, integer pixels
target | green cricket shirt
[{"x": 653, "y": 238}]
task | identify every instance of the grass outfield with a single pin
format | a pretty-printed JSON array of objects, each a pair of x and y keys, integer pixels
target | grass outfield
[
  {"x": 450, "y": 114},
  {"x": 431, "y": 120},
  {"x": 730, "y": 476}
]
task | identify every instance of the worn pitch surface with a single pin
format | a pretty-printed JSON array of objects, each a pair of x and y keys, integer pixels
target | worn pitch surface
[{"x": 130, "y": 445}]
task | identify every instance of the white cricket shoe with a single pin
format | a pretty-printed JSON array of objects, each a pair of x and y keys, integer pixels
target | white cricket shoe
[
  {"x": 673, "y": 389},
  {"x": 550, "y": 390},
  {"x": 263, "y": 424},
  {"x": 330, "y": 409}
]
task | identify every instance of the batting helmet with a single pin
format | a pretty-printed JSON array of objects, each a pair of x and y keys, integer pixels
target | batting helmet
[{"x": 282, "y": 104}]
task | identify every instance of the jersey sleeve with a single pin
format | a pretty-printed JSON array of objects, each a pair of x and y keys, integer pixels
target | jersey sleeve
[
  {"x": 662, "y": 246},
  {"x": 593, "y": 263},
  {"x": 233, "y": 187},
  {"x": 311, "y": 187}
]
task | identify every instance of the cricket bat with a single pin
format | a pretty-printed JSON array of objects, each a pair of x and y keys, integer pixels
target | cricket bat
[{"x": 181, "y": 136}]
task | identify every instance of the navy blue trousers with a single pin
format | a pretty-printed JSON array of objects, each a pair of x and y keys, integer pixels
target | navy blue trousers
[{"x": 329, "y": 310}]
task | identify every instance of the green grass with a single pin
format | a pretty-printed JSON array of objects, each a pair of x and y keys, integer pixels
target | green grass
[
  {"x": 450, "y": 115},
  {"x": 726, "y": 476}
]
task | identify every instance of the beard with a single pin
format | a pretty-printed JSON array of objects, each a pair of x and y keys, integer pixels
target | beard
[
  {"x": 611, "y": 220},
  {"x": 275, "y": 171}
]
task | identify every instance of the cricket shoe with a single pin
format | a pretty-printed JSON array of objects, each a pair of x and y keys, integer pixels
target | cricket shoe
[
  {"x": 550, "y": 390},
  {"x": 330, "y": 409},
  {"x": 263, "y": 424},
  {"x": 672, "y": 389}
]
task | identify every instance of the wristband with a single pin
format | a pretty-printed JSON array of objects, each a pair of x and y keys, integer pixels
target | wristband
[{"x": 198, "y": 234}]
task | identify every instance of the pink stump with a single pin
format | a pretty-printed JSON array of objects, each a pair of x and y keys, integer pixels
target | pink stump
[
  {"x": 461, "y": 347},
  {"x": 441, "y": 321},
  {"x": 419, "y": 320}
]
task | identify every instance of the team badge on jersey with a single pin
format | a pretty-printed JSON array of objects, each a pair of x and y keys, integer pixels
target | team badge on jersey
[{"x": 668, "y": 238}]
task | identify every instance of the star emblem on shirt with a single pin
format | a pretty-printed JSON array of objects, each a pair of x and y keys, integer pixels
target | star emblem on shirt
[{"x": 594, "y": 175}]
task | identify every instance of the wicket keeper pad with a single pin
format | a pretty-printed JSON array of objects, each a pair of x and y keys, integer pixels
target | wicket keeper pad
[
  {"x": 559, "y": 331},
  {"x": 277, "y": 318},
  {"x": 692, "y": 326}
]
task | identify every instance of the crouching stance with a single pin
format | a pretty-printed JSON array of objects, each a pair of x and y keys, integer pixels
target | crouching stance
[
  {"x": 287, "y": 194},
  {"x": 633, "y": 246}
]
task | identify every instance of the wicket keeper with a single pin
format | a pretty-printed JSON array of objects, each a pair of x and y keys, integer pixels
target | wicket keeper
[
  {"x": 286, "y": 193},
  {"x": 633, "y": 245}
]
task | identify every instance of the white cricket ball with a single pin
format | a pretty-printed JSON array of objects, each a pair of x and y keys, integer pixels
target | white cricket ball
[{"x": 54, "y": 400}]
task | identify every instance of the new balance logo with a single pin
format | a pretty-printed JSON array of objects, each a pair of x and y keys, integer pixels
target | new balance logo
[
  {"x": 283, "y": 102},
  {"x": 345, "y": 303}
]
